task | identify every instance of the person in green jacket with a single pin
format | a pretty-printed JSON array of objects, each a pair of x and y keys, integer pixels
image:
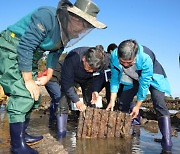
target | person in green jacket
[{"x": 23, "y": 44}]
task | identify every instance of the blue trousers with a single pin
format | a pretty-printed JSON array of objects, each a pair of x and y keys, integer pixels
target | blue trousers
[{"x": 54, "y": 90}]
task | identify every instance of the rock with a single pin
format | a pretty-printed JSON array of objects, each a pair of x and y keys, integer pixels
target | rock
[
  {"x": 49, "y": 145},
  {"x": 151, "y": 125},
  {"x": 178, "y": 115}
]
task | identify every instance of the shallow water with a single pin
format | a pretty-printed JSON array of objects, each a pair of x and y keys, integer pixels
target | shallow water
[{"x": 136, "y": 144}]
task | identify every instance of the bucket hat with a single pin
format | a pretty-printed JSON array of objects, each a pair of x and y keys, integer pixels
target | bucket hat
[{"x": 87, "y": 10}]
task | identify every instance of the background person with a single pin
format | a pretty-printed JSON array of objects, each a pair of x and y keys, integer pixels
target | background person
[
  {"x": 53, "y": 87},
  {"x": 111, "y": 47},
  {"x": 135, "y": 70},
  {"x": 23, "y": 44}
]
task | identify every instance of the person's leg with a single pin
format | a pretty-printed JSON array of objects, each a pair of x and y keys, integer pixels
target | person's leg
[
  {"x": 19, "y": 110},
  {"x": 53, "y": 88},
  {"x": 17, "y": 135},
  {"x": 20, "y": 101},
  {"x": 19, "y": 106},
  {"x": 125, "y": 101},
  {"x": 62, "y": 116},
  {"x": 163, "y": 115},
  {"x": 126, "y": 97}
]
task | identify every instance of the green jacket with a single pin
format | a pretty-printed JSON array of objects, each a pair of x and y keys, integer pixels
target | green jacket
[{"x": 39, "y": 31}]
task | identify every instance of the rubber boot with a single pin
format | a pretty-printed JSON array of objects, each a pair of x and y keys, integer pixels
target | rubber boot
[
  {"x": 31, "y": 140},
  {"x": 165, "y": 129},
  {"x": 18, "y": 144},
  {"x": 61, "y": 125},
  {"x": 52, "y": 111},
  {"x": 52, "y": 116}
]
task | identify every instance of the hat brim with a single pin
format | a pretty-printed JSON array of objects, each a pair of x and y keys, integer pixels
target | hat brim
[{"x": 92, "y": 20}]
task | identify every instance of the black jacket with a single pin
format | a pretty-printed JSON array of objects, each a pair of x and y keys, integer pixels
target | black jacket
[{"x": 73, "y": 71}]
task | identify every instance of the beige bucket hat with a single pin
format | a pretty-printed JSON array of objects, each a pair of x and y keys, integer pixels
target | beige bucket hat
[{"x": 87, "y": 10}]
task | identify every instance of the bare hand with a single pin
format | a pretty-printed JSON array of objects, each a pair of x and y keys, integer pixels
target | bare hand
[
  {"x": 135, "y": 112},
  {"x": 110, "y": 106},
  {"x": 33, "y": 89},
  {"x": 95, "y": 96},
  {"x": 81, "y": 106},
  {"x": 43, "y": 80}
]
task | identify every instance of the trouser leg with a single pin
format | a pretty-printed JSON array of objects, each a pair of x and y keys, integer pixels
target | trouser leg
[
  {"x": 125, "y": 101},
  {"x": 63, "y": 106},
  {"x": 53, "y": 88},
  {"x": 20, "y": 102},
  {"x": 159, "y": 103},
  {"x": 163, "y": 117}
]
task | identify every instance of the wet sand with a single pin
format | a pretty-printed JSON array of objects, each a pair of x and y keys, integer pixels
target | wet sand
[{"x": 143, "y": 143}]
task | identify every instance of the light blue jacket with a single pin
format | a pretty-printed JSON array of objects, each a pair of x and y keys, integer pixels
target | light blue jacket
[{"x": 149, "y": 69}]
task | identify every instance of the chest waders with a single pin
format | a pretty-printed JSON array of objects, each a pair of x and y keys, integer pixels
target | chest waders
[{"x": 20, "y": 103}]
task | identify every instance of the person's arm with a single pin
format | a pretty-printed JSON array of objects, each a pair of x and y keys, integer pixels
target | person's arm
[
  {"x": 69, "y": 67},
  {"x": 44, "y": 79},
  {"x": 114, "y": 85},
  {"x": 144, "y": 83},
  {"x": 135, "y": 110},
  {"x": 53, "y": 58},
  {"x": 97, "y": 86},
  {"x": 81, "y": 106},
  {"x": 112, "y": 101},
  {"x": 145, "y": 78},
  {"x": 95, "y": 96},
  {"x": 51, "y": 64},
  {"x": 32, "y": 38},
  {"x": 31, "y": 86},
  {"x": 38, "y": 29}
]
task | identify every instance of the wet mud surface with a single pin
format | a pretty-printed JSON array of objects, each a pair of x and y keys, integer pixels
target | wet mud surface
[{"x": 142, "y": 142}]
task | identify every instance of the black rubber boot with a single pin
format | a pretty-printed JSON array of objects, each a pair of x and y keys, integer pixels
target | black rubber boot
[
  {"x": 165, "y": 129},
  {"x": 31, "y": 140},
  {"x": 18, "y": 144}
]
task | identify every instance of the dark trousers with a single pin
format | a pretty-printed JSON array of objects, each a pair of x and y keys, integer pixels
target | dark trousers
[
  {"x": 106, "y": 85},
  {"x": 125, "y": 99},
  {"x": 54, "y": 90},
  {"x": 87, "y": 90}
]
